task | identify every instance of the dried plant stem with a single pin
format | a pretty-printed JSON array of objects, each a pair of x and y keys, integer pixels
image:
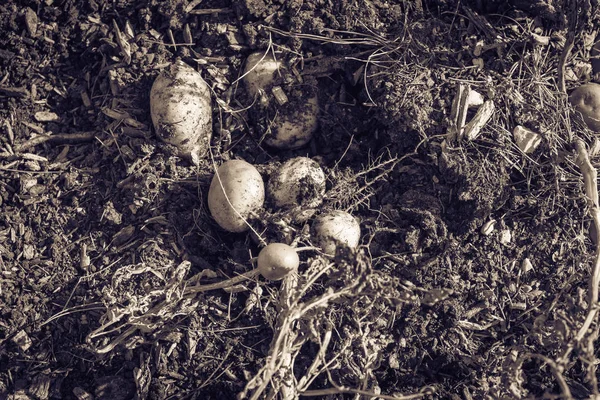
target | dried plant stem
[
  {"x": 563, "y": 60},
  {"x": 285, "y": 341},
  {"x": 279, "y": 359},
  {"x": 367, "y": 394},
  {"x": 556, "y": 371},
  {"x": 189, "y": 292},
  {"x": 221, "y": 285},
  {"x": 59, "y": 138},
  {"x": 590, "y": 179}
]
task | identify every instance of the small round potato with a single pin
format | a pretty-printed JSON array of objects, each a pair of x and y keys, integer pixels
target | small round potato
[
  {"x": 236, "y": 191},
  {"x": 277, "y": 260},
  {"x": 180, "y": 106},
  {"x": 586, "y": 100},
  {"x": 299, "y": 182},
  {"x": 289, "y": 124},
  {"x": 334, "y": 228}
]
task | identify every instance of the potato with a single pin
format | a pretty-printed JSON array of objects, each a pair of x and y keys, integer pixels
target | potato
[
  {"x": 236, "y": 191},
  {"x": 586, "y": 100},
  {"x": 277, "y": 260},
  {"x": 288, "y": 123},
  {"x": 299, "y": 182},
  {"x": 334, "y": 228},
  {"x": 180, "y": 106},
  {"x": 294, "y": 129},
  {"x": 260, "y": 72}
]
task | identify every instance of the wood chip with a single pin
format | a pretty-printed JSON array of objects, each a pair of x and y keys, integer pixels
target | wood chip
[
  {"x": 14, "y": 91},
  {"x": 473, "y": 128},
  {"x": 85, "y": 99},
  {"x": 82, "y": 394},
  {"x": 34, "y": 127},
  {"x": 279, "y": 95},
  {"x": 187, "y": 35},
  {"x": 46, "y": 116},
  {"x": 526, "y": 139},
  {"x": 22, "y": 340},
  {"x": 31, "y": 22},
  {"x": 458, "y": 113},
  {"x": 123, "y": 235}
]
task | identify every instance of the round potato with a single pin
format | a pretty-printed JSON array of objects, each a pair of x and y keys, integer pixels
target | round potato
[
  {"x": 236, "y": 191},
  {"x": 334, "y": 228},
  {"x": 288, "y": 123},
  {"x": 277, "y": 260},
  {"x": 586, "y": 100},
  {"x": 260, "y": 72},
  {"x": 299, "y": 182},
  {"x": 180, "y": 106},
  {"x": 294, "y": 129}
]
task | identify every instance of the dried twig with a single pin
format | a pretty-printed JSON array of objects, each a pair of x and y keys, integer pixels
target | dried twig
[{"x": 60, "y": 138}]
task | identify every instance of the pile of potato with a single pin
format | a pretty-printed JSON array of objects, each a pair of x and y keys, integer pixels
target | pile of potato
[{"x": 181, "y": 110}]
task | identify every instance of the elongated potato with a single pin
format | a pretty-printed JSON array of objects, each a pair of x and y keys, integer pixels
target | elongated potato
[
  {"x": 236, "y": 191},
  {"x": 288, "y": 123},
  {"x": 180, "y": 105}
]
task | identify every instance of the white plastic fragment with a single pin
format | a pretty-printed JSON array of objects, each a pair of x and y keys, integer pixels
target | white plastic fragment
[{"x": 526, "y": 139}]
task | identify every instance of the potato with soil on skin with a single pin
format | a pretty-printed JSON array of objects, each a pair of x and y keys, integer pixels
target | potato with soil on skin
[
  {"x": 334, "y": 228},
  {"x": 586, "y": 100},
  {"x": 180, "y": 106},
  {"x": 299, "y": 182},
  {"x": 290, "y": 125},
  {"x": 277, "y": 260},
  {"x": 236, "y": 191}
]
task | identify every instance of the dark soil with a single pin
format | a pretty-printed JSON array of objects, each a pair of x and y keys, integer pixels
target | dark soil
[{"x": 474, "y": 269}]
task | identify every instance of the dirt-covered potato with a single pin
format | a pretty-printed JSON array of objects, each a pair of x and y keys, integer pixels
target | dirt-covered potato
[
  {"x": 290, "y": 123},
  {"x": 236, "y": 191},
  {"x": 277, "y": 260},
  {"x": 299, "y": 182},
  {"x": 180, "y": 106},
  {"x": 260, "y": 72},
  {"x": 586, "y": 100},
  {"x": 334, "y": 228}
]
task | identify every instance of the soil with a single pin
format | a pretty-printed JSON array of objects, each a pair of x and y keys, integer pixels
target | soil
[{"x": 474, "y": 271}]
